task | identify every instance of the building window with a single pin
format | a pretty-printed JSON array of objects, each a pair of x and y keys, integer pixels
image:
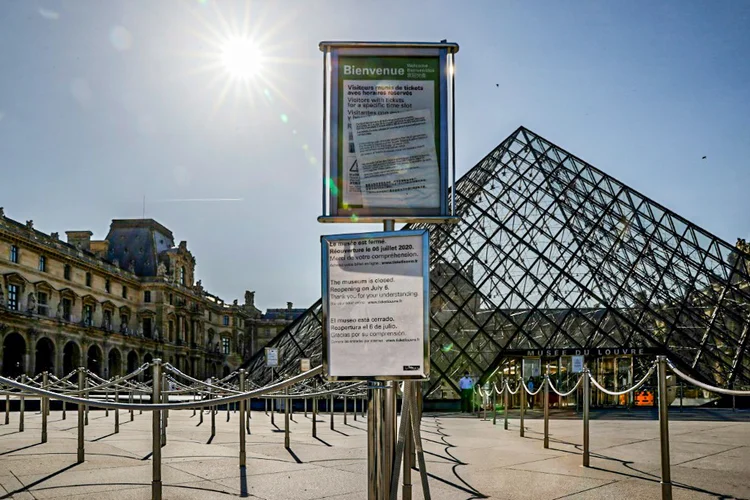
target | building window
[
  {"x": 182, "y": 276},
  {"x": 171, "y": 331},
  {"x": 14, "y": 254},
  {"x": 13, "y": 297},
  {"x": 43, "y": 263},
  {"x": 67, "y": 306},
  {"x": 41, "y": 300},
  {"x": 124, "y": 292},
  {"x": 88, "y": 315},
  {"x": 171, "y": 299},
  {"x": 225, "y": 345},
  {"x": 124, "y": 323},
  {"x": 226, "y": 320},
  {"x": 147, "y": 296},
  {"x": 66, "y": 271},
  {"x": 108, "y": 320},
  {"x": 107, "y": 285},
  {"x": 88, "y": 279},
  {"x": 147, "y": 327},
  {"x": 210, "y": 316}
]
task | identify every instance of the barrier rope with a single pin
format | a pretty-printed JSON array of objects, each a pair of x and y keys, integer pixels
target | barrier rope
[
  {"x": 561, "y": 394},
  {"x": 710, "y": 388},
  {"x": 620, "y": 393}
]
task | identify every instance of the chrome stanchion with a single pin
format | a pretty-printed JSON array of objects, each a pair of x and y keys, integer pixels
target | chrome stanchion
[
  {"x": 44, "y": 402},
  {"x": 546, "y": 408},
  {"x": 506, "y": 399},
  {"x": 106, "y": 398},
  {"x": 287, "y": 404},
  {"x": 331, "y": 410},
  {"x": 242, "y": 420},
  {"x": 494, "y": 405},
  {"x": 22, "y": 407},
  {"x": 156, "y": 434},
  {"x": 522, "y": 388},
  {"x": 273, "y": 411},
  {"x": 315, "y": 417},
  {"x": 666, "y": 480},
  {"x": 130, "y": 400},
  {"x": 344, "y": 410},
  {"x": 304, "y": 402},
  {"x": 81, "y": 417},
  {"x": 586, "y": 398},
  {"x": 164, "y": 415},
  {"x": 212, "y": 409},
  {"x": 86, "y": 395},
  {"x": 117, "y": 413},
  {"x": 7, "y": 409},
  {"x": 354, "y": 410}
]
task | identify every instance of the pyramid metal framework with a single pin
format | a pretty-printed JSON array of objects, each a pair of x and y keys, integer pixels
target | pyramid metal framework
[{"x": 553, "y": 253}]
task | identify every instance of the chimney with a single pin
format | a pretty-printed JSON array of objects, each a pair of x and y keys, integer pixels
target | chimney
[
  {"x": 289, "y": 306},
  {"x": 80, "y": 239}
]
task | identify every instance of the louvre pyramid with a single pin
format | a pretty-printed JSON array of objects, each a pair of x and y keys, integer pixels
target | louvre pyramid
[{"x": 553, "y": 253}]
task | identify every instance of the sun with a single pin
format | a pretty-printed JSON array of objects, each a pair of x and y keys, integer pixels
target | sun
[{"x": 242, "y": 58}]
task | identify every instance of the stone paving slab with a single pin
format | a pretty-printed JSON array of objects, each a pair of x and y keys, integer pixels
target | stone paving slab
[{"x": 466, "y": 457}]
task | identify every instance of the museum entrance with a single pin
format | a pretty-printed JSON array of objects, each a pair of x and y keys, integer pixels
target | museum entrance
[{"x": 616, "y": 372}]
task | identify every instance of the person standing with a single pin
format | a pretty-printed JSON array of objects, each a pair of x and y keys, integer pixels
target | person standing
[
  {"x": 466, "y": 384},
  {"x": 530, "y": 385}
]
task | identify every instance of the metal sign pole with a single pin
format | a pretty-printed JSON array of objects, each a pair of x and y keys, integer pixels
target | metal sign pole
[
  {"x": 117, "y": 413},
  {"x": 666, "y": 479},
  {"x": 330, "y": 410}
]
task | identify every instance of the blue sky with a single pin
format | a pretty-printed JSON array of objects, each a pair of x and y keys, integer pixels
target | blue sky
[{"x": 103, "y": 103}]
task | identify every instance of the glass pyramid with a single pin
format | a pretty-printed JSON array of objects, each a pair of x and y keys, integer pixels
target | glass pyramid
[{"x": 554, "y": 253}]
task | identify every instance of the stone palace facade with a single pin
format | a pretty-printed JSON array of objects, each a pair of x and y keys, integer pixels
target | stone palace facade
[{"x": 113, "y": 304}]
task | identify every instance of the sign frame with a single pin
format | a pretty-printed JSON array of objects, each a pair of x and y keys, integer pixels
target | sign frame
[
  {"x": 333, "y": 209},
  {"x": 425, "y": 235},
  {"x": 275, "y": 350}
]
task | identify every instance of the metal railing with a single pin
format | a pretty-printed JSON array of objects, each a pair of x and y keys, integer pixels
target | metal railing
[
  {"x": 660, "y": 366},
  {"x": 91, "y": 390}
]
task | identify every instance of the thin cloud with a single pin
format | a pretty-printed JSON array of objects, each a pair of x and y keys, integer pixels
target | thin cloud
[{"x": 49, "y": 14}]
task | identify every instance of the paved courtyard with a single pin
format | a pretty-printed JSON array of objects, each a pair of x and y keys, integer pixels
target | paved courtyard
[{"x": 466, "y": 458}]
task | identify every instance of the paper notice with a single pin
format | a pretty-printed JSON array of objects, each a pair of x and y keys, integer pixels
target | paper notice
[{"x": 397, "y": 160}]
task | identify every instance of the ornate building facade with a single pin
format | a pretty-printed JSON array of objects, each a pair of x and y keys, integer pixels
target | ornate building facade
[{"x": 113, "y": 304}]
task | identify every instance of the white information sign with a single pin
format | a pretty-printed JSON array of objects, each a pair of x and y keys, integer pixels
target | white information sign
[
  {"x": 375, "y": 292},
  {"x": 272, "y": 356},
  {"x": 397, "y": 160},
  {"x": 304, "y": 365},
  {"x": 577, "y": 364}
]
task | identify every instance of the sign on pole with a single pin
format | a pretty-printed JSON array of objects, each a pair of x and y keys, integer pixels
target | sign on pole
[
  {"x": 304, "y": 365},
  {"x": 577, "y": 364},
  {"x": 532, "y": 367},
  {"x": 376, "y": 306},
  {"x": 389, "y": 131},
  {"x": 272, "y": 356}
]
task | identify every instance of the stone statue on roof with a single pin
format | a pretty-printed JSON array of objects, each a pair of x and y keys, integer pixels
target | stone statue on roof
[{"x": 161, "y": 269}]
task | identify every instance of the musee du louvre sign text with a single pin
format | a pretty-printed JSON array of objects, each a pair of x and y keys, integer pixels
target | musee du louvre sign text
[{"x": 582, "y": 351}]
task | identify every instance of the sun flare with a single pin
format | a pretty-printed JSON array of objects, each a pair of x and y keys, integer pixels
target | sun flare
[{"x": 242, "y": 58}]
